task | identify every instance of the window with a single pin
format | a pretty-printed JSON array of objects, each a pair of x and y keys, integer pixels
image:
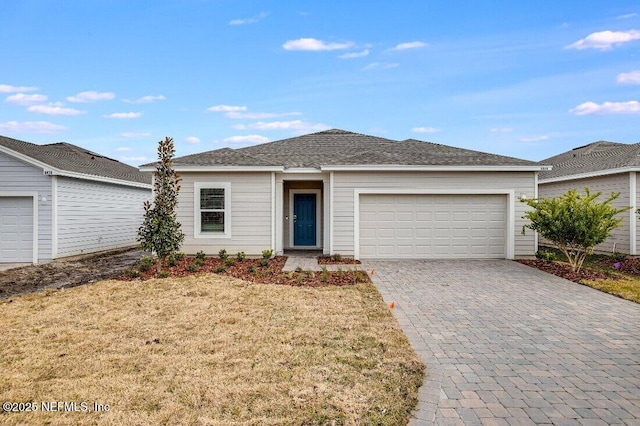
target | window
[{"x": 212, "y": 210}]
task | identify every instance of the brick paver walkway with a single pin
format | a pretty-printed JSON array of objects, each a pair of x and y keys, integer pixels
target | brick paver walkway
[{"x": 505, "y": 344}]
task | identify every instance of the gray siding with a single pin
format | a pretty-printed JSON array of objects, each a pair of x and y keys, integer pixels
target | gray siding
[
  {"x": 95, "y": 216},
  {"x": 18, "y": 176},
  {"x": 345, "y": 183},
  {"x": 619, "y": 239},
  {"x": 250, "y": 213}
]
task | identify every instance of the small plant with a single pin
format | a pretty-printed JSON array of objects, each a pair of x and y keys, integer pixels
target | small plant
[
  {"x": 131, "y": 273},
  {"x": 336, "y": 257},
  {"x": 240, "y": 256},
  {"x": 309, "y": 272},
  {"x": 229, "y": 262},
  {"x": 618, "y": 256},
  {"x": 198, "y": 262},
  {"x": 221, "y": 269},
  {"x": 200, "y": 255},
  {"x": 340, "y": 271},
  {"x": 298, "y": 269},
  {"x": 325, "y": 275},
  {"x": 163, "y": 274},
  {"x": 264, "y": 262},
  {"x": 192, "y": 267},
  {"x": 252, "y": 269},
  {"x": 222, "y": 254},
  {"x": 146, "y": 262},
  {"x": 360, "y": 277},
  {"x": 546, "y": 255},
  {"x": 266, "y": 254},
  {"x": 299, "y": 278}
]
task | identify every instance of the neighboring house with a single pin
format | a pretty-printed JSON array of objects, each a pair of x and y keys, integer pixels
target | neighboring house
[
  {"x": 60, "y": 200},
  {"x": 357, "y": 195},
  {"x": 603, "y": 167}
]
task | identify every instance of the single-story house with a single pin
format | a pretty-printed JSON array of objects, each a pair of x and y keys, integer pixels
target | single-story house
[
  {"x": 603, "y": 167},
  {"x": 59, "y": 200},
  {"x": 356, "y": 195}
]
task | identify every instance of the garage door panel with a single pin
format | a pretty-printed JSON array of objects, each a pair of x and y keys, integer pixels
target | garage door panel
[{"x": 433, "y": 226}]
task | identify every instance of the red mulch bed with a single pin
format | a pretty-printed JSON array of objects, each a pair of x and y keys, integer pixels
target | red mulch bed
[
  {"x": 327, "y": 260},
  {"x": 564, "y": 270},
  {"x": 629, "y": 266},
  {"x": 250, "y": 270}
]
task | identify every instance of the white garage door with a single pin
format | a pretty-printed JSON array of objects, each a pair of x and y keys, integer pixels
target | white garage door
[
  {"x": 433, "y": 226},
  {"x": 16, "y": 229}
]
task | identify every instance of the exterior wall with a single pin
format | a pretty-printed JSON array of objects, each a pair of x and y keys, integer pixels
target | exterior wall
[
  {"x": 288, "y": 185},
  {"x": 344, "y": 183},
  {"x": 619, "y": 239},
  {"x": 250, "y": 213},
  {"x": 95, "y": 216},
  {"x": 18, "y": 176}
]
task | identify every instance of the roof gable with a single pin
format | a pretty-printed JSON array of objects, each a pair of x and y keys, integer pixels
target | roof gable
[{"x": 67, "y": 157}]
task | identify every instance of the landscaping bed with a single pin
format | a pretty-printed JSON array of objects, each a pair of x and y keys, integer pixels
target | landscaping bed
[
  {"x": 335, "y": 260},
  {"x": 258, "y": 271},
  {"x": 564, "y": 270}
]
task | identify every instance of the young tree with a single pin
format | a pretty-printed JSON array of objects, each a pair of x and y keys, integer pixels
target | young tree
[
  {"x": 573, "y": 222},
  {"x": 160, "y": 232}
]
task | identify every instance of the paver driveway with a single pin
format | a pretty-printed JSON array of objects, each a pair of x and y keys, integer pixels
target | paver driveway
[{"x": 508, "y": 344}]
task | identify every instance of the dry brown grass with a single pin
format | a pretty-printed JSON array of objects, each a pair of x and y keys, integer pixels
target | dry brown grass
[
  {"x": 207, "y": 350},
  {"x": 626, "y": 288}
]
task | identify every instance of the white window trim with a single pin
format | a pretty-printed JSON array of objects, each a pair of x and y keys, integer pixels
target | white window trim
[{"x": 197, "y": 186}]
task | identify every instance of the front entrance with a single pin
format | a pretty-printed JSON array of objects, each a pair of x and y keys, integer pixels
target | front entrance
[{"x": 304, "y": 219}]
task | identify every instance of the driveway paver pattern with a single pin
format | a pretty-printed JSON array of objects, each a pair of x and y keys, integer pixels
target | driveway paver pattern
[{"x": 506, "y": 344}]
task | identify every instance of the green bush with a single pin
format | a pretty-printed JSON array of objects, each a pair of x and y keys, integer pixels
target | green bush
[
  {"x": 618, "y": 256},
  {"x": 163, "y": 274},
  {"x": 336, "y": 257},
  {"x": 229, "y": 262},
  {"x": 264, "y": 262},
  {"x": 192, "y": 267},
  {"x": 325, "y": 275},
  {"x": 240, "y": 256},
  {"x": 146, "y": 262},
  {"x": 131, "y": 273},
  {"x": 266, "y": 254},
  {"x": 220, "y": 269},
  {"x": 546, "y": 255},
  {"x": 200, "y": 255},
  {"x": 198, "y": 262},
  {"x": 252, "y": 269},
  {"x": 222, "y": 254}
]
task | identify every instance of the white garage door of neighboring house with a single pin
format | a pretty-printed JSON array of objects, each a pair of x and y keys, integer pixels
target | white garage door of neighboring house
[
  {"x": 433, "y": 226},
  {"x": 16, "y": 229}
]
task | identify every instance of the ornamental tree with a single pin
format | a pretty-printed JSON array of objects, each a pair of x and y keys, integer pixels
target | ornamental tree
[
  {"x": 573, "y": 222},
  {"x": 160, "y": 232}
]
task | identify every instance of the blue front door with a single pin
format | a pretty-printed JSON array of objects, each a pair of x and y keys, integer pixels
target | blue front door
[{"x": 304, "y": 219}]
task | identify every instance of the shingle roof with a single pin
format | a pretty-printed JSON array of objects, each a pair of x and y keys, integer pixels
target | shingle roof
[
  {"x": 71, "y": 158},
  {"x": 340, "y": 147},
  {"x": 594, "y": 157}
]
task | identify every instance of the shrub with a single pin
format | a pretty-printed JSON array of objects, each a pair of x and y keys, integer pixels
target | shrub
[
  {"x": 336, "y": 257},
  {"x": 146, "y": 262},
  {"x": 220, "y": 269},
  {"x": 266, "y": 254},
  {"x": 131, "y": 273},
  {"x": 222, "y": 254},
  {"x": 618, "y": 257},
  {"x": 309, "y": 272},
  {"x": 200, "y": 255},
  {"x": 325, "y": 275},
  {"x": 229, "y": 262},
  {"x": 240, "y": 256},
  {"x": 264, "y": 262},
  {"x": 546, "y": 255},
  {"x": 299, "y": 269},
  {"x": 252, "y": 269},
  {"x": 163, "y": 274},
  {"x": 198, "y": 262},
  {"x": 573, "y": 222},
  {"x": 360, "y": 277},
  {"x": 192, "y": 267}
]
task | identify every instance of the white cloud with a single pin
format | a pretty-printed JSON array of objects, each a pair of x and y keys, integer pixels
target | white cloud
[
  {"x": 355, "y": 54},
  {"x": 380, "y": 65},
  {"x": 6, "y": 88},
  {"x": 535, "y": 138},
  {"x": 410, "y": 45},
  {"x": 425, "y": 130},
  {"x": 630, "y": 107},
  {"x": 124, "y": 149},
  {"x": 247, "y": 139},
  {"x": 297, "y": 125},
  {"x": 54, "y": 109},
  {"x": 134, "y": 159},
  {"x": 251, "y": 20},
  {"x": 501, "y": 130},
  {"x": 314, "y": 45},
  {"x": 22, "y": 99},
  {"x": 145, "y": 99},
  {"x": 192, "y": 139},
  {"x": 605, "y": 40},
  {"x": 30, "y": 127},
  {"x": 91, "y": 96},
  {"x": 239, "y": 126},
  {"x": 135, "y": 134},
  {"x": 226, "y": 108},
  {"x": 632, "y": 77},
  {"x": 123, "y": 115},
  {"x": 258, "y": 115},
  {"x": 627, "y": 16}
]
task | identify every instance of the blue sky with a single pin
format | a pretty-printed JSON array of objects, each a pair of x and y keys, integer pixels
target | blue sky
[{"x": 525, "y": 79}]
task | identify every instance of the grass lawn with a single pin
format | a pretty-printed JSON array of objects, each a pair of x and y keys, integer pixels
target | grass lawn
[
  {"x": 627, "y": 287},
  {"x": 207, "y": 349}
]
